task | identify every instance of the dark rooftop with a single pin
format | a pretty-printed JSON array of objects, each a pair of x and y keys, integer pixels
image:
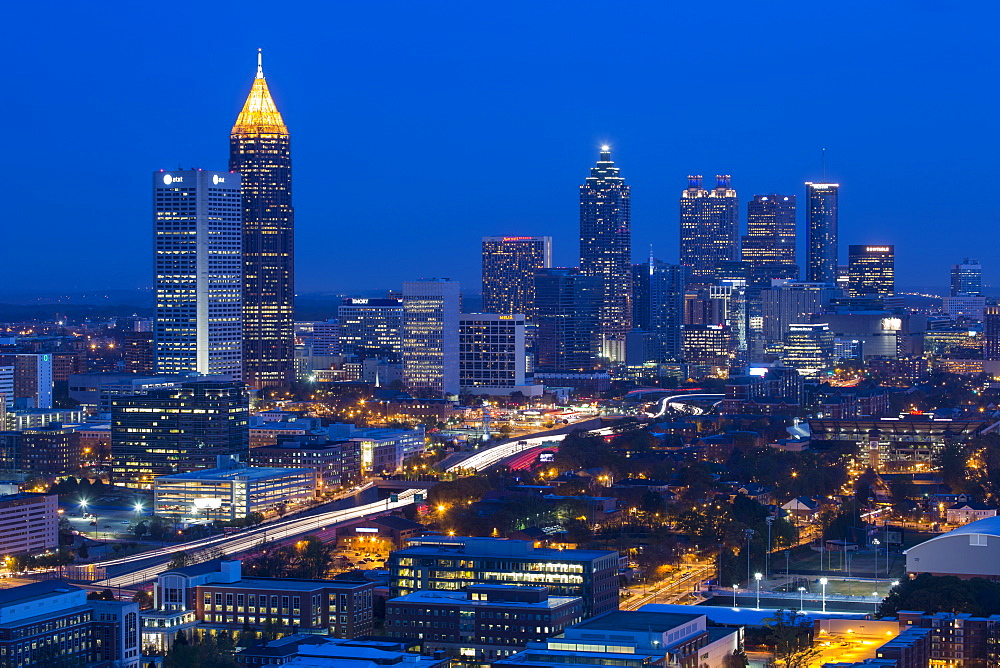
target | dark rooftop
[{"x": 624, "y": 620}]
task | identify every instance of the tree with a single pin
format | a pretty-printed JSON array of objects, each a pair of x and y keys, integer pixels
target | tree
[
  {"x": 178, "y": 560},
  {"x": 140, "y": 530},
  {"x": 106, "y": 595},
  {"x": 952, "y": 460},
  {"x": 83, "y": 552},
  {"x": 144, "y": 599},
  {"x": 789, "y": 634}
]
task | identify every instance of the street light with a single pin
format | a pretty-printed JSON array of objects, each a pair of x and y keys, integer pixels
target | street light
[
  {"x": 875, "y": 596},
  {"x": 735, "y": 588},
  {"x": 876, "y": 542},
  {"x": 767, "y": 557},
  {"x": 824, "y": 581},
  {"x": 757, "y": 577},
  {"x": 802, "y": 591}
]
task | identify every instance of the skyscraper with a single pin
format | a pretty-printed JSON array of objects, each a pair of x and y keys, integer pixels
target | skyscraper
[
  {"x": 871, "y": 270},
  {"x": 770, "y": 237},
  {"x": 821, "y": 244},
  {"x": 606, "y": 250},
  {"x": 198, "y": 262},
  {"x": 509, "y": 266},
  {"x": 709, "y": 227},
  {"x": 658, "y": 290},
  {"x": 259, "y": 149},
  {"x": 991, "y": 333},
  {"x": 568, "y": 304},
  {"x": 491, "y": 353},
  {"x": 431, "y": 310},
  {"x": 967, "y": 278}
]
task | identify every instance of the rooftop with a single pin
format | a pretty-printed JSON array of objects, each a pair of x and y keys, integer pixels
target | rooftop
[
  {"x": 35, "y": 591},
  {"x": 249, "y": 473},
  {"x": 639, "y": 620},
  {"x": 442, "y": 596}
]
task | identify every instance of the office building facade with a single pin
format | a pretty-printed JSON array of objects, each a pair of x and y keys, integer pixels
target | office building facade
[
  {"x": 708, "y": 345},
  {"x": 260, "y": 151},
  {"x": 967, "y": 278},
  {"x": 770, "y": 237},
  {"x": 787, "y": 302},
  {"x": 226, "y": 495},
  {"x": 52, "y": 623},
  {"x": 871, "y": 270},
  {"x": 821, "y": 238},
  {"x": 32, "y": 379},
  {"x": 371, "y": 328},
  {"x": 509, "y": 266},
  {"x": 709, "y": 222},
  {"x": 606, "y": 250},
  {"x": 808, "y": 348},
  {"x": 198, "y": 241},
  {"x": 451, "y": 563},
  {"x": 991, "y": 333},
  {"x": 568, "y": 304},
  {"x": 658, "y": 305},
  {"x": 491, "y": 353},
  {"x": 482, "y": 623},
  {"x": 29, "y": 523},
  {"x": 431, "y": 310},
  {"x": 177, "y": 430}
]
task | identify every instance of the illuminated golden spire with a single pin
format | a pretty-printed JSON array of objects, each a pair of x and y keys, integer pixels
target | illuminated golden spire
[{"x": 259, "y": 115}]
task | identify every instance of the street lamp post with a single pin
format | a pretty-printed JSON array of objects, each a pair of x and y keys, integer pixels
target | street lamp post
[
  {"x": 875, "y": 596},
  {"x": 876, "y": 542},
  {"x": 757, "y": 577},
  {"x": 767, "y": 557},
  {"x": 735, "y": 589},
  {"x": 802, "y": 591},
  {"x": 749, "y": 534},
  {"x": 824, "y": 581}
]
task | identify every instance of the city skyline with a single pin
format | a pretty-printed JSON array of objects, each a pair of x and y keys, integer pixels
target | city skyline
[{"x": 394, "y": 114}]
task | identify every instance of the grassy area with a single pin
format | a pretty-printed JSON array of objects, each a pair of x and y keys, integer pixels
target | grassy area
[{"x": 862, "y": 564}]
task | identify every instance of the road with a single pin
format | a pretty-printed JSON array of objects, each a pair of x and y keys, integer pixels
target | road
[
  {"x": 671, "y": 589},
  {"x": 247, "y": 539},
  {"x": 675, "y": 400}
]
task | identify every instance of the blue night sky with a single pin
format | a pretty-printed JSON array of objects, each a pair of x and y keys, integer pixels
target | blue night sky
[{"x": 420, "y": 126}]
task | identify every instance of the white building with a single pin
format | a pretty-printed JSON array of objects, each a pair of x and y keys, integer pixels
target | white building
[
  {"x": 32, "y": 381},
  {"x": 431, "y": 310},
  {"x": 29, "y": 523},
  {"x": 230, "y": 494},
  {"x": 199, "y": 268},
  {"x": 965, "y": 306},
  {"x": 969, "y": 551}
]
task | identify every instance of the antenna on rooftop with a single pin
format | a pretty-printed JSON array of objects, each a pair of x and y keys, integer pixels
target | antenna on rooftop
[{"x": 824, "y": 164}]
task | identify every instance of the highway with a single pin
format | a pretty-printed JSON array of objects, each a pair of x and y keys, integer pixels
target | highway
[
  {"x": 248, "y": 538},
  {"x": 672, "y": 589},
  {"x": 676, "y": 400}
]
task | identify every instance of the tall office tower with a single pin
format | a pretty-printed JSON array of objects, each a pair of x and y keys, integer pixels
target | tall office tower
[
  {"x": 991, "y": 333},
  {"x": 709, "y": 227},
  {"x": 259, "y": 149},
  {"x": 606, "y": 250},
  {"x": 198, "y": 262},
  {"x": 371, "y": 328},
  {"x": 658, "y": 304},
  {"x": 32, "y": 386},
  {"x": 177, "y": 430},
  {"x": 871, "y": 270},
  {"x": 967, "y": 278},
  {"x": 568, "y": 305},
  {"x": 708, "y": 345},
  {"x": 509, "y": 266},
  {"x": 821, "y": 243},
  {"x": 431, "y": 309},
  {"x": 491, "y": 355},
  {"x": 770, "y": 237}
]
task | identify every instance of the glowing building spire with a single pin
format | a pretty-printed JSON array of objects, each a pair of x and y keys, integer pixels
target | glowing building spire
[{"x": 260, "y": 114}]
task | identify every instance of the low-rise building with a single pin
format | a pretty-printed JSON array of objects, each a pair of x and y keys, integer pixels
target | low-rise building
[
  {"x": 29, "y": 523},
  {"x": 969, "y": 511},
  {"x": 310, "y": 651},
  {"x": 483, "y": 622},
  {"x": 52, "y": 623},
  {"x": 335, "y": 462},
  {"x": 634, "y": 639},
  {"x": 215, "y": 595},
  {"x": 231, "y": 494},
  {"x": 451, "y": 563}
]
